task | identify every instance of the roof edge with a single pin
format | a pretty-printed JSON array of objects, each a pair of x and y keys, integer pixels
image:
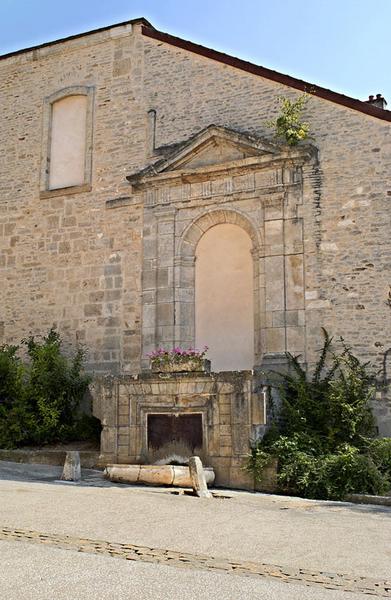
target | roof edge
[
  {"x": 141, "y": 20},
  {"x": 288, "y": 80}
]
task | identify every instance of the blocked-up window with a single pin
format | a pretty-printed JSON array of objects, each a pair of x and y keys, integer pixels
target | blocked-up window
[{"x": 68, "y": 142}]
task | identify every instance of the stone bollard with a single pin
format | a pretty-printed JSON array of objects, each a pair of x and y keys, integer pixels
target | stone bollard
[
  {"x": 72, "y": 470},
  {"x": 197, "y": 477}
]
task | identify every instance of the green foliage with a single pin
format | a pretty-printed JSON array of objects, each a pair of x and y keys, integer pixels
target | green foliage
[
  {"x": 332, "y": 475},
  {"x": 380, "y": 452},
  {"x": 289, "y": 125},
  {"x": 256, "y": 462},
  {"x": 324, "y": 442},
  {"x": 333, "y": 405},
  {"x": 39, "y": 401},
  {"x": 11, "y": 375},
  {"x": 13, "y": 415}
]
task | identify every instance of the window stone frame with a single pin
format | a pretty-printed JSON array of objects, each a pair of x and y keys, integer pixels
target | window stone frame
[{"x": 49, "y": 101}]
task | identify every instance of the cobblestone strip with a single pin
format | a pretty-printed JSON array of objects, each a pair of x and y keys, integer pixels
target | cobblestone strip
[{"x": 347, "y": 583}]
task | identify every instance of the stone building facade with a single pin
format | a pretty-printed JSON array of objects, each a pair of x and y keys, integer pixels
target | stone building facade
[{"x": 174, "y": 151}]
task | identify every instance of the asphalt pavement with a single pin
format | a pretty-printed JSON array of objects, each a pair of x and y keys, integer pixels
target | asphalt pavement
[{"x": 101, "y": 540}]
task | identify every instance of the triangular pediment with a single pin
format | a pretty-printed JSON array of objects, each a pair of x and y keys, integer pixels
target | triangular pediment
[
  {"x": 212, "y": 147},
  {"x": 215, "y": 151},
  {"x": 217, "y": 145}
]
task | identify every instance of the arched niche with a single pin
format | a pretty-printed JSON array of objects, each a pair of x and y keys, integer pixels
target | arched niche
[{"x": 224, "y": 297}]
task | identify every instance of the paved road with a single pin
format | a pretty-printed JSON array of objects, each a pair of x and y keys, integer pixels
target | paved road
[
  {"x": 32, "y": 573},
  {"x": 288, "y": 539}
]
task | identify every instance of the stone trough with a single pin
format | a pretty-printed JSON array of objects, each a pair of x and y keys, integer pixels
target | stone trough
[{"x": 175, "y": 475}]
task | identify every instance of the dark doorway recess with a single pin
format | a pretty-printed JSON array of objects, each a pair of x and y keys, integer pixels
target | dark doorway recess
[{"x": 181, "y": 429}]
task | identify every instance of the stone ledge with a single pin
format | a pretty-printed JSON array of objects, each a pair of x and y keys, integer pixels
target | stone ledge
[
  {"x": 66, "y": 191},
  {"x": 123, "y": 201},
  {"x": 88, "y": 458},
  {"x": 369, "y": 499}
]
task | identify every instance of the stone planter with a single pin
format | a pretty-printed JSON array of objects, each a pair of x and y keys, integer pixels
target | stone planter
[
  {"x": 174, "y": 475},
  {"x": 188, "y": 366}
]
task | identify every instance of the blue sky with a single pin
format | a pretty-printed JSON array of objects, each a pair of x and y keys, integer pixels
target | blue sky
[{"x": 343, "y": 45}]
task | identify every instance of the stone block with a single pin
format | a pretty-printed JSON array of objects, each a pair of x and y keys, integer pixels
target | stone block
[
  {"x": 274, "y": 238},
  {"x": 93, "y": 310},
  {"x": 258, "y": 403},
  {"x": 294, "y": 273},
  {"x": 275, "y": 339},
  {"x": 165, "y": 313},
  {"x": 149, "y": 279},
  {"x": 198, "y": 479},
  {"x": 273, "y": 209},
  {"x": 274, "y": 274},
  {"x": 295, "y": 339},
  {"x": 277, "y": 318},
  {"x": 238, "y": 478},
  {"x": 293, "y": 229},
  {"x": 72, "y": 469}
]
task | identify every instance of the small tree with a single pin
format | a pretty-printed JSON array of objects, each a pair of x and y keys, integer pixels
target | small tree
[
  {"x": 39, "y": 400},
  {"x": 56, "y": 386},
  {"x": 289, "y": 124}
]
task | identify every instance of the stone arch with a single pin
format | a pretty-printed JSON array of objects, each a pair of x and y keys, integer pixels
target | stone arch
[
  {"x": 185, "y": 272},
  {"x": 193, "y": 233}
]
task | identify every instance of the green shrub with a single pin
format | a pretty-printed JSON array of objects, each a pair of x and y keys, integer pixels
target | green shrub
[
  {"x": 348, "y": 471},
  {"x": 333, "y": 405},
  {"x": 13, "y": 414},
  {"x": 324, "y": 439},
  {"x": 39, "y": 400},
  {"x": 331, "y": 475},
  {"x": 289, "y": 124},
  {"x": 11, "y": 375},
  {"x": 380, "y": 452},
  {"x": 55, "y": 388},
  {"x": 257, "y": 460}
]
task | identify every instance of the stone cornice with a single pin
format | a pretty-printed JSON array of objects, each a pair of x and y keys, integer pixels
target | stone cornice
[{"x": 296, "y": 157}]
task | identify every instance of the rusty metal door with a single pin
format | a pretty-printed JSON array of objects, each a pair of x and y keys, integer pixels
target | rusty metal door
[{"x": 185, "y": 428}]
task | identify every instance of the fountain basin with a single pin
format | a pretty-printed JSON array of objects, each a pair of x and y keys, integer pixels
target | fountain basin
[{"x": 175, "y": 475}]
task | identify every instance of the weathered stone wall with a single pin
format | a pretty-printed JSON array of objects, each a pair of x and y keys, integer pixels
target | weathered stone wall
[
  {"x": 64, "y": 259},
  {"x": 346, "y": 231},
  {"x": 67, "y": 260},
  {"x": 231, "y": 405}
]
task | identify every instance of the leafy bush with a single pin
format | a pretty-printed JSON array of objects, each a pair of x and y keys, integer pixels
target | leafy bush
[
  {"x": 13, "y": 414},
  {"x": 39, "y": 401},
  {"x": 11, "y": 375},
  {"x": 289, "y": 124},
  {"x": 324, "y": 440},
  {"x": 380, "y": 452}
]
